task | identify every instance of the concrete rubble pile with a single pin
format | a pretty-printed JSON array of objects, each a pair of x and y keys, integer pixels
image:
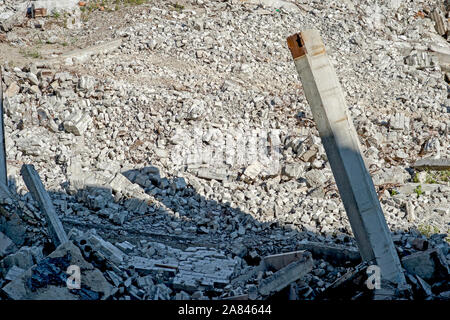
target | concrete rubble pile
[{"x": 137, "y": 133}]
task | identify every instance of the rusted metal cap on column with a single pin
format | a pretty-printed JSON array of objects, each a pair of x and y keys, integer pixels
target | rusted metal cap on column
[{"x": 305, "y": 42}]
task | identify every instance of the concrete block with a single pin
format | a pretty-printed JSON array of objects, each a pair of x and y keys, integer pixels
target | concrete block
[
  {"x": 420, "y": 244},
  {"x": 111, "y": 252},
  {"x": 12, "y": 90},
  {"x": 399, "y": 122},
  {"x": 335, "y": 253},
  {"x": 125, "y": 246},
  {"x": 136, "y": 205},
  {"x": 77, "y": 123},
  {"x": 14, "y": 228},
  {"x": 6, "y": 245},
  {"x": 22, "y": 259},
  {"x": 286, "y": 276},
  {"x": 83, "y": 55},
  {"x": 279, "y": 261},
  {"x": 151, "y": 266},
  {"x": 293, "y": 170},
  {"x": 252, "y": 171},
  {"x": 213, "y": 174},
  {"x": 14, "y": 273},
  {"x": 429, "y": 265},
  {"x": 120, "y": 183},
  {"x": 315, "y": 178},
  {"x": 432, "y": 164}
]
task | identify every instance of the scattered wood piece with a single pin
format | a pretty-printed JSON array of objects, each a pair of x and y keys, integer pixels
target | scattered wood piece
[{"x": 37, "y": 189}]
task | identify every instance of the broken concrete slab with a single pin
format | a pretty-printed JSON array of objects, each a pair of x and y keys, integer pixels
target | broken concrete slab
[
  {"x": 120, "y": 183},
  {"x": 293, "y": 170},
  {"x": 429, "y": 265},
  {"x": 249, "y": 273},
  {"x": 6, "y": 245},
  {"x": 47, "y": 280},
  {"x": 442, "y": 52},
  {"x": 136, "y": 205},
  {"x": 204, "y": 268},
  {"x": 335, "y": 253},
  {"x": 12, "y": 90},
  {"x": 310, "y": 154},
  {"x": 411, "y": 188},
  {"x": 83, "y": 55},
  {"x": 125, "y": 246},
  {"x": 252, "y": 171},
  {"x": 24, "y": 258},
  {"x": 14, "y": 273},
  {"x": 239, "y": 297},
  {"x": 315, "y": 178},
  {"x": 34, "y": 184},
  {"x": 13, "y": 227},
  {"x": 6, "y": 197},
  {"x": 426, "y": 288},
  {"x": 219, "y": 174},
  {"x": 282, "y": 278},
  {"x": 77, "y": 123},
  {"x": 392, "y": 175},
  {"x": 281, "y": 260},
  {"x": 147, "y": 266}
]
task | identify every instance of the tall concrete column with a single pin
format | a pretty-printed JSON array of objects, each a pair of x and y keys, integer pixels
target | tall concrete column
[
  {"x": 3, "y": 172},
  {"x": 326, "y": 99}
]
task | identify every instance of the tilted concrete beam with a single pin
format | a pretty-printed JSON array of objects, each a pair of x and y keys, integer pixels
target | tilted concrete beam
[
  {"x": 37, "y": 190},
  {"x": 326, "y": 99}
]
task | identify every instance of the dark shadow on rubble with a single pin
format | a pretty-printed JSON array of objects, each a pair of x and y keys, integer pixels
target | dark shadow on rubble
[
  {"x": 164, "y": 190},
  {"x": 102, "y": 208}
]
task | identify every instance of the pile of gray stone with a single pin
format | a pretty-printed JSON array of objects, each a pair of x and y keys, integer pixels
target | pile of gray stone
[{"x": 185, "y": 140}]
